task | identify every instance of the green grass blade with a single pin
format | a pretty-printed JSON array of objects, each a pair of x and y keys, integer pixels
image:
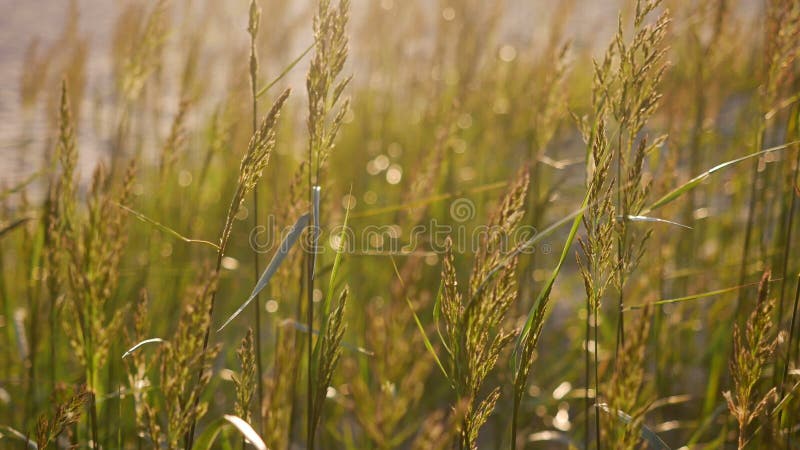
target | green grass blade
[
  {"x": 272, "y": 268},
  {"x": 316, "y": 192},
  {"x": 337, "y": 260},
  {"x": 691, "y": 184},
  {"x": 545, "y": 291},
  {"x": 425, "y": 339}
]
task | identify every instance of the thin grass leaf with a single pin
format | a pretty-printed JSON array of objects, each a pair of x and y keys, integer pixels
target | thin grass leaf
[
  {"x": 274, "y": 264},
  {"x": 647, "y": 434},
  {"x": 285, "y": 71},
  {"x": 552, "y": 436},
  {"x": 206, "y": 440},
  {"x": 165, "y": 228},
  {"x": 337, "y": 260},
  {"x": 425, "y": 339},
  {"x": 315, "y": 191},
  {"x": 691, "y": 184},
  {"x": 437, "y": 312},
  {"x": 429, "y": 200},
  {"x": 694, "y": 296},
  {"x": 785, "y": 400},
  {"x": 140, "y": 344}
]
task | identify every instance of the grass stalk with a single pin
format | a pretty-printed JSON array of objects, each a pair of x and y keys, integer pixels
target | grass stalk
[
  {"x": 749, "y": 224},
  {"x": 789, "y": 347},
  {"x": 253, "y": 26},
  {"x": 250, "y": 171}
]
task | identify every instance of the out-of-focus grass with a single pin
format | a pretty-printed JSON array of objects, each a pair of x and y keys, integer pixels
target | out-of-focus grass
[{"x": 445, "y": 106}]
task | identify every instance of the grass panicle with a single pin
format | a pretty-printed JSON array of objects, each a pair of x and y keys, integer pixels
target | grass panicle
[{"x": 753, "y": 350}]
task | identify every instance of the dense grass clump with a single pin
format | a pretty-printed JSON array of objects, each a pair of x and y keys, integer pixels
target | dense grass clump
[{"x": 413, "y": 225}]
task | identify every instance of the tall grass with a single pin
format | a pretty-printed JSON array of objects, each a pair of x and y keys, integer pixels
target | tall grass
[{"x": 451, "y": 263}]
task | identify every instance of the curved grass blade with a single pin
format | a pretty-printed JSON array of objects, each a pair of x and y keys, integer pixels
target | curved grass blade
[
  {"x": 11, "y": 226},
  {"x": 552, "y": 436},
  {"x": 691, "y": 184},
  {"x": 140, "y": 344},
  {"x": 165, "y": 228},
  {"x": 206, "y": 440},
  {"x": 6, "y": 431},
  {"x": 647, "y": 434},
  {"x": 654, "y": 220},
  {"x": 274, "y": 263}
]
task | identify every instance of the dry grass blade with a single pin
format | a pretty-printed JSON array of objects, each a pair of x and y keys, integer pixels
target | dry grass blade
[
  {"x": 165, "y": 228},
  {"x": 652, "y": 438},
  {"x": 206, "y": 440},
  {"x": 8, "y": 432},
  {"x": 14, "y": 224},
  {"x": 286, "y": 71},
  {"x": 653, "y": 220},
  {"x": 695, "y": 296}
]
